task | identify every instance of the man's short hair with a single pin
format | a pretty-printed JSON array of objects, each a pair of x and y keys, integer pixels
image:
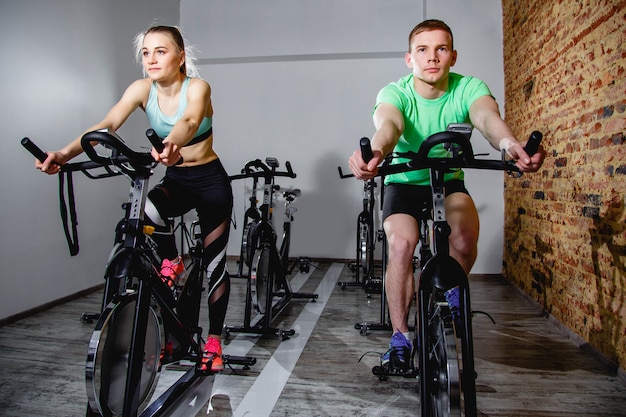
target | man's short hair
[{"x": 431, "y": 24}]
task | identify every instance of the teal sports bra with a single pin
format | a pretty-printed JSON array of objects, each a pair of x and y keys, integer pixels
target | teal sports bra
[{"x": 163, "y": 124}]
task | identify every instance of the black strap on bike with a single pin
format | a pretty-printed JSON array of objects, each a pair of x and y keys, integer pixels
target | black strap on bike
[{"x": 72, "y": 240}]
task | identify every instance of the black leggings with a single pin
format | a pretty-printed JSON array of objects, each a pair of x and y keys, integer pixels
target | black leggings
[{"x": 207, "y": 189}]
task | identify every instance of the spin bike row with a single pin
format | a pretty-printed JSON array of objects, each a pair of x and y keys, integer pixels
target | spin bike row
[{"x": 144, "y": 323}]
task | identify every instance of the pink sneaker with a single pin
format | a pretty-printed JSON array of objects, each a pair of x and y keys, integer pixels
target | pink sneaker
[
  {"x": 213, "y": 354},
  {"x": 171, "y": 271}
]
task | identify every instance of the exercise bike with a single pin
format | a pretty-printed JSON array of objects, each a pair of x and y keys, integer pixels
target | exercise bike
[
  {"x": 443, "y": 341},
  {"x": 143, "y": 324},
  {"x": 251, "y": 218},
  {"x": 366, "y": 237},
  {"x": 268, "y": 291}
]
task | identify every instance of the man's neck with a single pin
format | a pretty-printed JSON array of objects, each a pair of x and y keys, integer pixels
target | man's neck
[{"x": 430, "y": 91}]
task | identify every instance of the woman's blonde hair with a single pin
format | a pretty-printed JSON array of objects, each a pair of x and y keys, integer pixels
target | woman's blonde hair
[{"x": 189, "y": 66}]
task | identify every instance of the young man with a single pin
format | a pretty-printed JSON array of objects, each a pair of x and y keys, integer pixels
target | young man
[{"x": 407, "y": 112}]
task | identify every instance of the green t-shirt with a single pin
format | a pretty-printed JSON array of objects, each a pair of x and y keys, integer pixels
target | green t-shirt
[{"x": 423, "y": 117}]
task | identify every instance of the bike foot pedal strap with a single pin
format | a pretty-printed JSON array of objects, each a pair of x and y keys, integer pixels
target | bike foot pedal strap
[{"x": 239, "y": 360}]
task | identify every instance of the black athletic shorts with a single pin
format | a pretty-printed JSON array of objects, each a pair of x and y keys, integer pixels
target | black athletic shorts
[{"x": 415, "y": 200}]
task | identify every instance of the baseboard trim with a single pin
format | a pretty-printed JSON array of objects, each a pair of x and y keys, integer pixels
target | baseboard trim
[{"x": 47, "y": 306}]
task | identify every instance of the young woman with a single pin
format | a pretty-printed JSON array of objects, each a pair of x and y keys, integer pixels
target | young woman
[{"x": 178, "y": 106}]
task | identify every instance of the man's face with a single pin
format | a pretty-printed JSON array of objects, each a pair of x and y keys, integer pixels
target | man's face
[{"x": 431, "y": 57}]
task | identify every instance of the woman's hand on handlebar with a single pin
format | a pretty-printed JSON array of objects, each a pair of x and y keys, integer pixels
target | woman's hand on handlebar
[
  {"x": 52, "y": 164},
  {"x": 169, "y": 156},
  {"x": 361, "y": 169}
]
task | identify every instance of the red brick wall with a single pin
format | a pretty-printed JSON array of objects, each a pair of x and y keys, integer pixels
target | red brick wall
[{"x": 565, "y": 226}]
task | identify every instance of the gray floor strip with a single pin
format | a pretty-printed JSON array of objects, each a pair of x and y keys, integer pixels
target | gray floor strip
[
  {"x": 240, "y": 345},
  {"x": 262, "y": 396}
]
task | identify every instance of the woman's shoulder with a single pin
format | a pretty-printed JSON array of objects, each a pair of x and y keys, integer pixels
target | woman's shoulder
[
  {"x": 199, "y": 83},
  {"x": 138, "y": 91},
  {"x": 141, "y": 86}
]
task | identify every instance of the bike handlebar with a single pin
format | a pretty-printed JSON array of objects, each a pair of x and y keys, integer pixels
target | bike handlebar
[
  {"x": 258, "y": 169},
  {"x": 532, "y": 146},
  {"x": 122, "y": 156},
  {"x": 463, "y": 157},
  {"x": 71, "y": 167},
  {"x": 34, "y": 149},
  {"x": 366, "y": 149},
  {"x": 157, "y": 142}
]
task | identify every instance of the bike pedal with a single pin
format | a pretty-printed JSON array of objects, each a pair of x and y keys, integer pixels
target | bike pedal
[
  {"x": 373, "y": 285},
  {"x": 206, "y": 371},
  {"x": 383, "y": 371},
  {"x": 239, "y": 360}
]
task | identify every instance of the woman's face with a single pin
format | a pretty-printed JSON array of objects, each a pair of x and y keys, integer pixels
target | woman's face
[{"x": 160, "y": 57}]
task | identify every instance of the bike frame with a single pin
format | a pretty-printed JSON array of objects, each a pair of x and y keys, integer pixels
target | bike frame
[
  {"x": 250, "y": 219},
  {"x": 289, "y": 196},
  {"x": 441, "y": 273},
  {"x": 365, "y": 245},
  {"x": 271, "y": 259},
  {"x": 131, "y": 274},
  {"x": 134, "y": 263}
]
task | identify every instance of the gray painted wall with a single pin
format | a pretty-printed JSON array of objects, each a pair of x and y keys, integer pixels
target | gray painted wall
[
  {"x": 65, "y": 62},
  {"x": 299, "y": 82},
  {"x": 289, "y": 80}
]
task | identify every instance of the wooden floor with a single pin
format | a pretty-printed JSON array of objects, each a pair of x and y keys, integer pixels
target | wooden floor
[{"x": 526, "y": 366}]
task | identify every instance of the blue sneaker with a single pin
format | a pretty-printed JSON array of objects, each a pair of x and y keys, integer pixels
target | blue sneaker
[
  {"x": 399, "y": 354},
  {"x": 454, "y": 302}
]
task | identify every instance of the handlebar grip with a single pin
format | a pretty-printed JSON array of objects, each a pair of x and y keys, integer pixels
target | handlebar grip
[
  {"x": 532, "y": 146},
  {"x": 290, "y": 172},
  {"x": 155, "y": 140},
  {"x": 366, "y": 149},
  {"x": 34, "y": 149}
]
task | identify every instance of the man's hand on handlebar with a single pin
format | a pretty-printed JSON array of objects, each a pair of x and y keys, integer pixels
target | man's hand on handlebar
[
  {"x": 523, "y": 161},
  {"x": 361, "y": 169},
  {"x": 169, "y": 156}
]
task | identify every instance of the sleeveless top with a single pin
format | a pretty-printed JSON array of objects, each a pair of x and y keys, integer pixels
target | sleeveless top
[{"x": 163, "y": 124}]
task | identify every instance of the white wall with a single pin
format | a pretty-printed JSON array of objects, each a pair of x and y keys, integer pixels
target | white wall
[
  {"x": 65, "y": 62},
  {"x": 295, "y": 80},
  {"x": 477, "y": 28},
  {"x": 298, "y": 80}
]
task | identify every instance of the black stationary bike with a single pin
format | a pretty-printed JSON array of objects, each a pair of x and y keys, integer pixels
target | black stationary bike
[
  {"x": 144, "y": 324},
  {"x": 269, "y": 291},
  {"x": 251, "y": 217},
  {"x": 443, "y": 340},
  {"x": 366, "y": 238}
]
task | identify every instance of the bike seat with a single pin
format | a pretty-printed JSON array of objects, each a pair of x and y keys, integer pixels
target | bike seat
[
  {"x": 441, "y": 271},
  {"x": 291, "y": 193}
]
